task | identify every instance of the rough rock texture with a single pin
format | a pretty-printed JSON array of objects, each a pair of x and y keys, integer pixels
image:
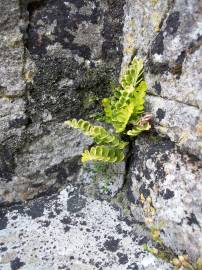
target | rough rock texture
[
  {"x": 168, "y": 34},
  {"x": 57, "y": 61},
  {"x": 165, "y": 178},
  {"x": 71, "y": 231},
  {"x": 164, "y": 187}
]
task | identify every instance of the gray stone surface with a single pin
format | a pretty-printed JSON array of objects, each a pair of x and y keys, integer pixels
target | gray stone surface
[
  {"x": 168, "y": 35},
  {"x": 57, "y": 59},
  {"x": 165, "y": 177},
  {"x": 102, "y": 179},
  {"x": 165, "y": 187},
  {"x": 72, "y": 231}
]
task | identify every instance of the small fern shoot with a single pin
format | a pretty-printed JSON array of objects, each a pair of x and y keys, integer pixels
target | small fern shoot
[{"x": 122, "y": 110}]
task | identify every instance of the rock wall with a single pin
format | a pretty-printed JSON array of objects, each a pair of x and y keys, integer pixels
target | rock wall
[
  {"x": 57, "y": 61},
  {"x": 165, "y": 176}
]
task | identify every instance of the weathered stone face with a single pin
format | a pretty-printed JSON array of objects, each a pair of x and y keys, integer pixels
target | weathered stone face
[
  {"x": 171, "y": 182},
  {"x": 72, "y": 231},
  {"x": 167, "y": 172},
  {"x": 57, "y": 62}
]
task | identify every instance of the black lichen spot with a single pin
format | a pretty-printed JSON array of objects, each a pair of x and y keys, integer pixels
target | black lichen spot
[
  {"x": 123, "y": 258},
  {"x": 160, "y": 114},
  {"x": 50, "y": 12},
  {"x": 83, "y": 223},
  {"x": 177, "y": 68},
  {"x": 157, "y": 45},
  {"x": 3, "y": 220},
  {"x": 16, "y": 264},
  {"x": 66, "y": 220},
  {"x": 7, "y": 164},
  {"x": 193, "y": 220},
  {"x": 75, "y": 203},
  {"x": 112, "y": 31},
  {"x": 172, "y": 23},
  {"x": 74, "y": 165},
  {"x": 143, "y": 240},
  {"x": 133, "y": 266},
  {"x": 159, "y": 172},
  {"x": 130, "y": 194},
  {"x": 66, "y": 228},
  {"x": 62, "y": 176},
  {"x": 64, "y": 267},
  {"x": 157, "y": 87},
  {"x": 158, "y": 68},
  {"x": 17, "y": 122},
  {"x": 181, "y": 57},
  {"x": 167, "y": 194},
  {"x": 120, "y": 230},
  {"x": 112, "y": 244},
  {"x": 59, "y": 171},
  {"x": 143, "y": 190},
  {"x": 78, "y": 3},
  {"x": 3, "y": 249},
  {"x": 44, "y": 223},
  {"x": 36, "y": 209}
]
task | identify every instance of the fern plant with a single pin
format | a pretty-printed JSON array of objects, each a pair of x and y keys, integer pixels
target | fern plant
[{"x": 124, "y": 110}]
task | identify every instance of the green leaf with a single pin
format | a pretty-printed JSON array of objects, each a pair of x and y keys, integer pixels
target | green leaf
[
  {"x": 136, "y": 130},
  {"x": 103, "y": 153},
  {"x": 134, "y": 73},
  {"x": 98, "y": 133}
]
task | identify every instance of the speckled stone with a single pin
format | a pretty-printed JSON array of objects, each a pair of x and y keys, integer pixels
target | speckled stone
[
  {"x": 57, "y": 59},
  {"x": 164, "y": 188},
  {"x": 167, "y": 34},
  {"x": 72, "y": 231}
]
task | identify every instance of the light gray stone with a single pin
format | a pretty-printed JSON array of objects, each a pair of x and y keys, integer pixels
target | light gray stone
[
  {"x": 11, "y": 50},
  {"x": 103, "y": 179},
  {"x": 166, "y": 187},
  {"x": 57, "y": 60},
  {"x": 72, "y": 231},
  {"x": 38, "y": 170},
  {"x": 168, "y": 35},
  {"x": 178, "y": 121}
]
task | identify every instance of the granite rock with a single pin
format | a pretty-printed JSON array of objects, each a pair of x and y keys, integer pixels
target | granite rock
[
  {"x": 57, "y": 59},
  {"x": 168, "y": 35},
  {"x": 165, "y": 183},
  {"x": 72, "y": 231},
  {"x": 164, "y": 190}
]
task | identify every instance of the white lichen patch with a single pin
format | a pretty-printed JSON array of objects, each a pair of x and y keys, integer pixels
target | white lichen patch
[{"x": 71, "y": 231}]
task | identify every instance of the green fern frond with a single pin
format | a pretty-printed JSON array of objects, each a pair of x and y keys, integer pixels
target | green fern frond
[
  {"x": 122, "y": 117},
  {"x": 98, "y": 133},
  {"x": 103, "y": 153},
  {"x": 125, "y": 107},
  {"x": 139, "y": 96},
  {"x": 136, "y": 130},
  {"x": 134, "y": 73},
  {"x": 128, "y": 100}
]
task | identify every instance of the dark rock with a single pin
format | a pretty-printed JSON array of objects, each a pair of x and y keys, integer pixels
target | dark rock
[
  {"x": 160, "y": 114},
  {"x": 16, "y": 264},
  {"x": 172, "y": 23},
  {"x": 112, "y": 244}
]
